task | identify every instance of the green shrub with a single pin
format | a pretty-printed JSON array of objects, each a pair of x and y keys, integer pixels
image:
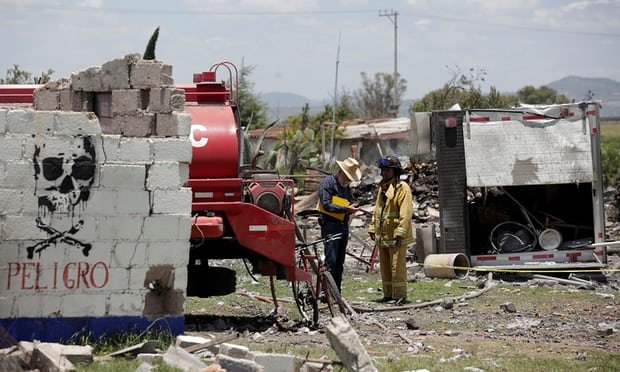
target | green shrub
[{"x": 610, "y": 156}]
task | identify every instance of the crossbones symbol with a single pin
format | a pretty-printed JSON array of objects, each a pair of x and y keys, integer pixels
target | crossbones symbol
[
  {"x": 56, "y": 236},
  {"x": 62, "y": 184}
]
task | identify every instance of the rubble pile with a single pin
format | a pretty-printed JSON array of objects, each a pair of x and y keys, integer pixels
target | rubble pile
[{"x": 421, "y": 177}]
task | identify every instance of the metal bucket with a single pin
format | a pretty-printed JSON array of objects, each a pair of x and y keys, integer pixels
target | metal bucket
[
  {"x": 549, "y": 239},
  {"x": 446, "y": 265}
]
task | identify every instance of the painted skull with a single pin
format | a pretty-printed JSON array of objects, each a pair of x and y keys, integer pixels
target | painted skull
[{"x": 62, "y": 180}]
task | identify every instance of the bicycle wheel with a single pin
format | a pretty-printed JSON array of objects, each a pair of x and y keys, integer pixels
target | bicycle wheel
[
  {"x": 307, "y": 304},
  {"x": 332, "y": 294}
]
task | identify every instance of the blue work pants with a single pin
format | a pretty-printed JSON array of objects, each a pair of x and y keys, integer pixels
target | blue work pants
[{"x": 335, "y": 250}]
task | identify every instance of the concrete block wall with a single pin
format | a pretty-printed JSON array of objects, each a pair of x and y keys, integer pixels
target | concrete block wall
[{"x": 94, "y": 216}]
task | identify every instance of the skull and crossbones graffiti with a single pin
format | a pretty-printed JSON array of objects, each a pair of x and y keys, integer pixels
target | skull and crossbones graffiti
[{"x": 62, "y": 183}]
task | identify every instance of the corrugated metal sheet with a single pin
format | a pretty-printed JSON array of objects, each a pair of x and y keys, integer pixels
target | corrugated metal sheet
[{"x": 527, "y": 152}]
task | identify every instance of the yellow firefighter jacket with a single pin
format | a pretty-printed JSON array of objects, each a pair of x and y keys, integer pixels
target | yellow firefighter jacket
[{"x": 393, "y": 214}]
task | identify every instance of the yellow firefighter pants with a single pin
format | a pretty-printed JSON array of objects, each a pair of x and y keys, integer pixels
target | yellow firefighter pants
[{"x": 393, "y": 263}]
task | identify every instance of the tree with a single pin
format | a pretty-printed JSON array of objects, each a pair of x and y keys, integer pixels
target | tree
[
  {"x": 16, "y": 75},
  {"x": 149, "y": 52},
  {"x": 375, "y": 98},
  {"x": 543, "y": 95},
  {"x": 462, "y": 88},
  {"x": 252, "y": 111}
]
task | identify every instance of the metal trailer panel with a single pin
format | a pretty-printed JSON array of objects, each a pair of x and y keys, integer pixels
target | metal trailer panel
[
  {"x": 454, "y": 221},
  {"x": 519, "y": 152}
]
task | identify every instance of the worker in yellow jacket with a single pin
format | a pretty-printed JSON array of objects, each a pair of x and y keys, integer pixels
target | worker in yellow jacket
[{"x": 391, "y": 228}]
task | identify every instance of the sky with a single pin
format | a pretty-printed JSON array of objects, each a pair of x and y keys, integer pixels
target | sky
[{"x": 314, "y": 47}]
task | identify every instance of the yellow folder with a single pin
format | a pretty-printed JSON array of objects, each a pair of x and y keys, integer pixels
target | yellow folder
[{"x": 335, "y": 200}]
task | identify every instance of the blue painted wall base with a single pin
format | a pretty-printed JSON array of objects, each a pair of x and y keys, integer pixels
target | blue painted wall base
[{"x": 64, "y": 329}]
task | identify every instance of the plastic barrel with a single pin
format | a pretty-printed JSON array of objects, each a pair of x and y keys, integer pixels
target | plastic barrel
[{"x": 446, "y": 265}]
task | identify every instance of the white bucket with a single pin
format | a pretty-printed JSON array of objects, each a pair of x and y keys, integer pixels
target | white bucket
[{"x": 549, "y": 239}]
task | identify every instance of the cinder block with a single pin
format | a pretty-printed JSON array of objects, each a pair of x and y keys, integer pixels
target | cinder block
[
  {"x": 11, "y": 200},
  {"x": 120, "y": 228},
  {"x": 9, "y": 252},
  {"x": 163, "y": 175},
  {"x": 45, "y": 99},
  {"x": 119, "y": 278},
  {"x": 30, "y": 121},
  {"x": 52, "y": 146},
  {"x": 180, "y": 276},
  {"x": 123, "y": 176},
  {"x": 166, "y": 125},
  {"x": 140, "y": 124},
  {"x": 27, "y": 306},
  {"x": 125, "y": 304},
  {"x": 77, "y": 123},
  {"x": 50, "y": 306},
  {"x": 126, "y": 101},
  {"x": 185, "y": 123},
  {"x": 172, "y": 201},
  {"x": 110, "y": 126},
  {"x": 132, "y": 202},
  {"x": 172, "y": 149},
  {"x": 135, "y": 150},
  {"x": 81, "y": 304},
  {"x": 71, "y": 100},
  {"x": 161, "y": 227},
  {"x": 135, "y": 278},
  {"x": 175, "y": 253},
  {"x": 236, "y": 364},
  {"x": 127, "y": 254},
  {"x": 3, "y": 121},
  {"x": 6, "y": 307},
  {"x": 115, "y": 73},
  {"x": 185, "y": 228},
  {"x": 277, "y": 362},
  {"x": 111, "y": 144},
  {"x": 103, "y": 202},
  {"x": 235, "y": 351},
  {"x": 166, "y": 99},
  {"x": 146, "y": 74},
  {"x": 19, "y": 174},
  {"x": 103, "y": 105},
  {"x": 11, "y": 148},
  {"x": 89, "y": 80},
  {"x": 166, "y": 75}
]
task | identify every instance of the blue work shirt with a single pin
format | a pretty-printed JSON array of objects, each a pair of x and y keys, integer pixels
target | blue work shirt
[{"x": 329, "y": 187}]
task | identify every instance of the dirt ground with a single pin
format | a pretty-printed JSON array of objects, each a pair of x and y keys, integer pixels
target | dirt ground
[{"x": 566, "y": 322}]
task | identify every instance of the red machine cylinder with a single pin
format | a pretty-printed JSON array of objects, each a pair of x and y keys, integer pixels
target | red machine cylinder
[{"x": 215, "y": 142}]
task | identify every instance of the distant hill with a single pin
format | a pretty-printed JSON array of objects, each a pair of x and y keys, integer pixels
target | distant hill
[
  {"x": 577, "y": 88},
  {"x": 283, "y": 104}
]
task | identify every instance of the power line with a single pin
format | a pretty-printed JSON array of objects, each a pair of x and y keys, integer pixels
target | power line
[{"x": 177, "y": 12}]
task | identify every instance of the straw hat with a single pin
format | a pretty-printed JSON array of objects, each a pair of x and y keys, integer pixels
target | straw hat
[{"x": 351, "y": 168}]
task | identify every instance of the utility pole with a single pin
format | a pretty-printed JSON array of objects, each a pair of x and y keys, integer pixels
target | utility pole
[
  {"x": 335, "y": 100},
  {"x": 393, "y": 17}
]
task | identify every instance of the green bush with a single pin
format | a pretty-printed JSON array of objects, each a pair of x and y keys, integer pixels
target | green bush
[{"x": 610, "y": 156}]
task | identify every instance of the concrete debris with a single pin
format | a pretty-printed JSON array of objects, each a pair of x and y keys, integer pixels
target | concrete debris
[
  {"x": 26, "y": 356},
  {"x": 508, "y": 307},
  {"x": 346, "y": 343}
]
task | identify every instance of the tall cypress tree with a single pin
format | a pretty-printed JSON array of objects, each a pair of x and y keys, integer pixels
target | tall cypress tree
[{"x": 149, "y": 53}]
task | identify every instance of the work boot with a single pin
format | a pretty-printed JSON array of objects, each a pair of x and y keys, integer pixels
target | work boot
[{"x": 384, "y": 300}]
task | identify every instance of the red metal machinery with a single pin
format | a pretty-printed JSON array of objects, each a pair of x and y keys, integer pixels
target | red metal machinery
[{"x": 238, "y": 212}]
